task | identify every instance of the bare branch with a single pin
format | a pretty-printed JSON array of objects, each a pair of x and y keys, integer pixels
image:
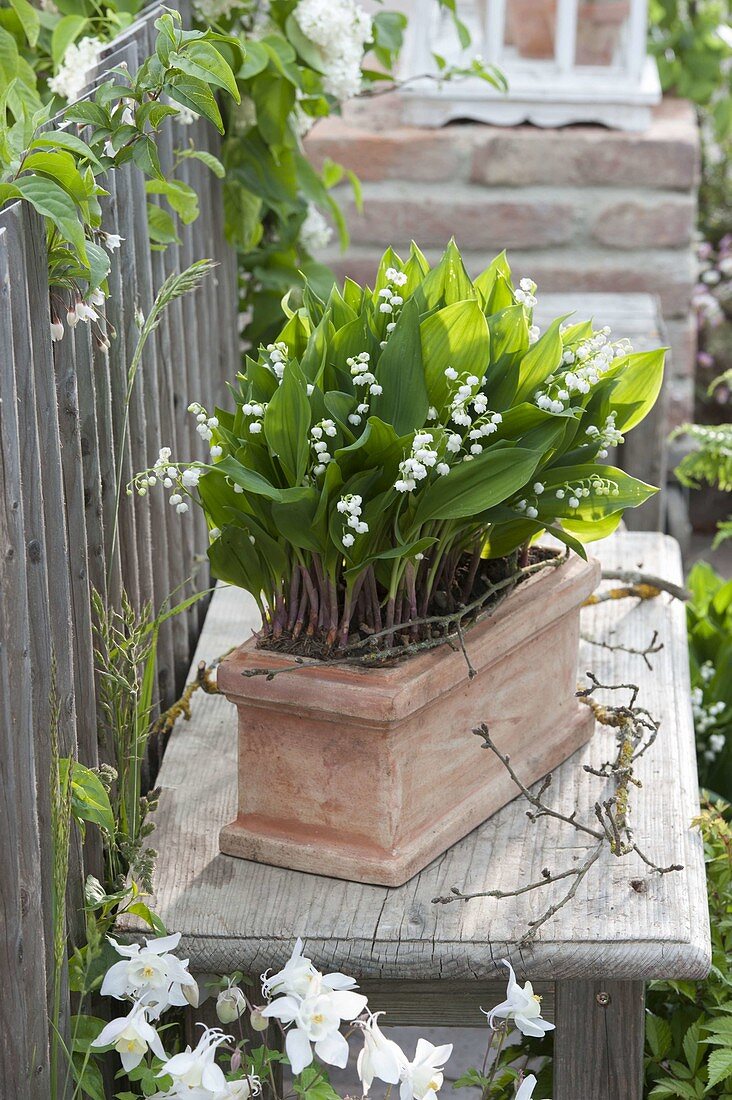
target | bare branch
[{"x": 654, "y": 646}]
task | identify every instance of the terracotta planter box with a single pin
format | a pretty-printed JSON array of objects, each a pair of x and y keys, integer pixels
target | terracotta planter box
[{"x": 369, "y": 774}]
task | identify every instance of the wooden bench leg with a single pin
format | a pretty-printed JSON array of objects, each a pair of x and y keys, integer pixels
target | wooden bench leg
[{"x": 598, "y": 1045}]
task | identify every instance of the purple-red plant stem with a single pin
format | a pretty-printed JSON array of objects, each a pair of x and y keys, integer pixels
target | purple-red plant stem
[
  {"x": 333, "y": 618},
  {"x": 472, "y": 570},
  {"x": 301, "y": 613},
  {"x": 314, "y": 602},
  {"x": 293, "y": 597}
]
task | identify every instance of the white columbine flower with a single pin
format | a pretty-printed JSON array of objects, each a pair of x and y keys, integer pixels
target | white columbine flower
[
  {"x": 422, "y": 1078},
  {"x": 150, "y": 974},
  {"x": 57, "y": 330},
  {"x": 113, "y": 241},
  {"x": 195, "y": 1072},
  {"x": 315, "y": 1021},
  {"x": 131, "y": 1036},
  {"x": 522, "y": 1006},
  {"x": 299, "y": 977},
  {"x": 230, "y": 1004},
  {"x": 313, "y": 1006},
  {"x": 526, "y": 1088},
  {"x": 381, "y": 1058}
]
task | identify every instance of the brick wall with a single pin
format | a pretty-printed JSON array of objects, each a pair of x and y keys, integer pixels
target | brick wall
[{"x": 579, "y": 208}]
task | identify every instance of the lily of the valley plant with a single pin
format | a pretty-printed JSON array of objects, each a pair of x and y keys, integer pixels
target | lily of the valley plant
[
  {"x": 393, "y": 442},
  {"x": 310, "y": 1009}
]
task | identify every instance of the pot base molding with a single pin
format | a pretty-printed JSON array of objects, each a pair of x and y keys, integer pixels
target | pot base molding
[{"x": 370, "y": 774}]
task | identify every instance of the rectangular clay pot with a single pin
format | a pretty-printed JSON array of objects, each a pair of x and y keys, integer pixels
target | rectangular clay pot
[{"x": 369, "y": 774}]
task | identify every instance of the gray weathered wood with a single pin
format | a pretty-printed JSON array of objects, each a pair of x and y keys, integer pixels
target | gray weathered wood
[
  {"x": 24, "y": 1052},
  {"x": 239, "y": 915},
  {"x": 61, "y": 415},
  {"x": 598, "y": 1044}
]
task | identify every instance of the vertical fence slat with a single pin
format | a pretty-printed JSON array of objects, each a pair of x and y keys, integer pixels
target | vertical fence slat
[
  {"x": 126, "y": 542},
  {"x": 172, "y": 405},
  {"x": 25, "y": 1055}
]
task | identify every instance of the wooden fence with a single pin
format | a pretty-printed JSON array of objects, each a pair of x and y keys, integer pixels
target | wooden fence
[{"x": 61, "y": 424}]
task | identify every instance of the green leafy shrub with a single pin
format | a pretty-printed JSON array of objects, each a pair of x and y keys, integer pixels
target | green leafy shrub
[
  {"x": 60, "y": 175},
  {"x": 691, "y": 43},
  {"x": 689, "y": 1024},
  {"x": 393, "y": 439},
  {"x": 709, "y": 620}
]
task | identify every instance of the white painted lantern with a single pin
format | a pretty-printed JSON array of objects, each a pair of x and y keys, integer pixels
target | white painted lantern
[{"x": 565, "y": 61}]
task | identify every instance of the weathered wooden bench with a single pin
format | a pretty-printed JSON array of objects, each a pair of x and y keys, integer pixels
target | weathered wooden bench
[{"x": 434, "y": 964}]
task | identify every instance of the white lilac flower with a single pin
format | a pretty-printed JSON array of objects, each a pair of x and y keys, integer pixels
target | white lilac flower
[
  {"x": 78, "y": 61},
  {"x": 381, "y": 1058},
  {"x": 315, "y": 233},
  {"x": 341, "y": 28},
  {"x": 422, "y": 1078},
  {"x": 196, "y": 1069},
  {"x": 131, "y": 1036},
  {"x": 150, "y": 974},
  {"x": 522, "y": 1007}
]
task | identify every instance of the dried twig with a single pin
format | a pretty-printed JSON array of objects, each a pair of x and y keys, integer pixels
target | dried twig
[
  {"x": 205, "y": 681},
  {"x": 641, "y": 586},
  {"x": 654, "y": 646},
  {"x": 635, "y": 730}
]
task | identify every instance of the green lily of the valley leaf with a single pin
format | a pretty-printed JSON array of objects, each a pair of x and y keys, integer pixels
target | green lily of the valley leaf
[
  {"x": 472, "y": 487},
  {"x": 455, "y": 336},
  {"x": 404, "y": 401}
]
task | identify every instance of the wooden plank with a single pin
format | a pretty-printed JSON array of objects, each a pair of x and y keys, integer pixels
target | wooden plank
[
  {"x": 73, "y": 479},
  {"x": 137, "y": 429},
  {"x": 598, "y": 1044},
  {"x": 443, "y": 1004},
  {"x": 56, "y": 555},
  {"x": 171, "y": 404},
  {"x": 195, "y": 382},
  {"x": 146, "y": 417},
  {"x": 240, "y": 915},
  {"x": 24, "y": 1054},
  {"x": 126, "y": 538}
]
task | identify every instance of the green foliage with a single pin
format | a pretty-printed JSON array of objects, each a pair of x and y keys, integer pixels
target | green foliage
[
  {"x": 390, "y": 433},
  {"x": 709, "y": 621},
  {"x": 270, "y": 186},
  {"x": 59, "y": 173},
  {"x": 690, "y": 41},
  {"x": 710, "y": 462},
  {"x": 689, "y": 1024}
]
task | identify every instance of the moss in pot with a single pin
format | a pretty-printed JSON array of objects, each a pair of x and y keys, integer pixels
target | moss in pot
[{"x": 379, "y": 487}]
